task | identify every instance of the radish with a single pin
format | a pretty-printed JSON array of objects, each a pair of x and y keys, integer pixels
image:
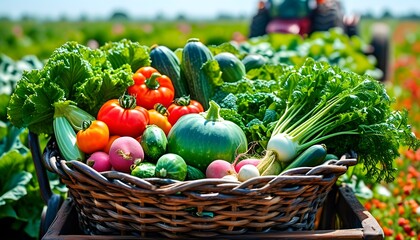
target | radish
[
  {"x": 123, "y": 152},
  {"x": 248, "y": 171},
  {"x": 99, "y": 161},
  {"x": 252, "y": 161},
  {"x": 219, "y": 168}
]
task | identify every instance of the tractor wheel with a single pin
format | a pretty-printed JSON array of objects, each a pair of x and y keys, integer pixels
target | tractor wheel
[
  {"x": 259, "y": 24},
  {"x": 380, "y": 48},
  {"x": 327, "y": 15}
]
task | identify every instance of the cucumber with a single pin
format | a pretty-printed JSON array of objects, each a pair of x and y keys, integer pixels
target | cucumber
[
  {"x": 144, "y": 170},
  {"x": 194, "y": 56},
  {"x": 166, "y": 62},
  {"x": 312, "y": 156},
  {"x": 153, "y": 142},
  {"x": 232, "y": 68},
  {"x": 194, "y": 173}
]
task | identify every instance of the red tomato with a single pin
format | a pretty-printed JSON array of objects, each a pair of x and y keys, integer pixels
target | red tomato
[
  {"x": 182, "y": 106},
  {"x": 150, "y": 87},
  {"x": 124, "y": 117}
]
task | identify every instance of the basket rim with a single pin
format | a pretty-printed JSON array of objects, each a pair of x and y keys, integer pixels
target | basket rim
[{"x": 73, "y": 170}]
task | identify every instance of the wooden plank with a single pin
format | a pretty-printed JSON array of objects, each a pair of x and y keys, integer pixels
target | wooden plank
[{"x": 355, "y": 223}]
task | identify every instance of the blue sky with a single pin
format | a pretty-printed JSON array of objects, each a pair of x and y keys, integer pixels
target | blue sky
[{"x": 135, "y": 8}]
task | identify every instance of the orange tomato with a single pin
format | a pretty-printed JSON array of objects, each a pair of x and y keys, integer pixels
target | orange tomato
[
  {"x": 110, "y": 141},
  {"x": 158, "y": 117},
  {"x": 93, "y": 137}
]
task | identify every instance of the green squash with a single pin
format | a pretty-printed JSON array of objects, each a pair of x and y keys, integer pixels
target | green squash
[
  {"x": 201, "y": 138},
  {"x": 252, "y": 61},
  {"x": 171, "y": 166}
]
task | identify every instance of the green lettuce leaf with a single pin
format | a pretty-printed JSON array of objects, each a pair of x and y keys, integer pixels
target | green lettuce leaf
[{"x": 126, "y": 51}]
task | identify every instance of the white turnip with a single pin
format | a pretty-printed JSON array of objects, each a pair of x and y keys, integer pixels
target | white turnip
[
  {"x": 124, "y": 152},
  {"x": 252, "y": 161},
  {"x": 248, "y": 171}
]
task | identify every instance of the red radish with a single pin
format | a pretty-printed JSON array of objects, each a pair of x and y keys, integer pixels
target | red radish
[
  {"x": 123, "y": 152},
  {"x": 251, "y": 161},
  {"x": 219, "y": 169},
  {"x": 99, "y": 161}
]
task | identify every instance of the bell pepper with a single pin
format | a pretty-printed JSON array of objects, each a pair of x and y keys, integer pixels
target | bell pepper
[{"x": 150, "y": 87}]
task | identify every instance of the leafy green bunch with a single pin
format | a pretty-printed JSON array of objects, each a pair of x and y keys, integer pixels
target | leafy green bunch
[
  {"x": 88, "y": 77},
  {"x": 317, "y": 102}
]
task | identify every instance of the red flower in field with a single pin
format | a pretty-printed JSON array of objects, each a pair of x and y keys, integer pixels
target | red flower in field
[
  {"x": 411, "y": 170},
  {"x": 412, "y": 86},
  {"x": 399, "y": 236},
  {"x": 402, "y": 221},
  {"x": 368, "y": 206},
  {"x": 388, "y": 232},
  {"x": 410, "y": 154},
  {"x": 416, "y": 47},
  {"x": 407, "y": 228}
]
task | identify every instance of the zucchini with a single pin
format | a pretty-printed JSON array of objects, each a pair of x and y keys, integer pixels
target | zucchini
[
  {"x": 166, "y": 62},
  {"x": 232, "y": 68},
  {"x": 75, "y": 115},
  {"x": 312, "y": 156},
  {"x": 66, "y": 139},
  {"x": 194, "y": 56}
]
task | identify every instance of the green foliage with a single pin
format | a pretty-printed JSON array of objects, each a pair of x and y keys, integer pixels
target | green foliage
[
  {"x": 20, "y": 200},
  {"x": 317, "y": 102},
  {"x": 331, "y": 46},
  {"x": 40, "y": 38},
  {"x": 77, "y": 73}
]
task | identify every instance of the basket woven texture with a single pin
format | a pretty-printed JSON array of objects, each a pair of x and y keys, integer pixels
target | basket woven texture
[{"x": 114, "y": 203}]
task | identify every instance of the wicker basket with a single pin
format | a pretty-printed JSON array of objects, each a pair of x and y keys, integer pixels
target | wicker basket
[{"x": 114, "y": 203}]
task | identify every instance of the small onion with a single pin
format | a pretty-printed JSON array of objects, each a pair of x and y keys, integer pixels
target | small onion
[{"x": 248, "y": 171}]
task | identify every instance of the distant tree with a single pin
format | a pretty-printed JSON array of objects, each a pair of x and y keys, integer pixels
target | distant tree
[
  {"x": 387, "y": 14},
  {"x": 26, "y": 17},
  {"x": 119, "y": 15},
  {"x": 83, "y": 17},
  {"x": 160, "y": 16},
  {"x": 63, "y": 18},
  {"x": 412, "y": 16},
  {"x": 367, "y": 15},
  {"x": 181, "y": 17},
  {"x": 224, "y": 16},
  {"x": 4, "y": 18}
]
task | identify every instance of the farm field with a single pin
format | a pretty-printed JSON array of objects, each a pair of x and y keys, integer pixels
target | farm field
[{"x": 395, "y": 205}]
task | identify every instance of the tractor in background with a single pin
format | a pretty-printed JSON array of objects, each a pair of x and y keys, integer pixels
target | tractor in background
[{"x": 304, "y": 17}]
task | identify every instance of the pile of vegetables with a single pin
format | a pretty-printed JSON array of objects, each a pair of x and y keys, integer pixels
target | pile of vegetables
[{"x": 202, "y": 111}]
